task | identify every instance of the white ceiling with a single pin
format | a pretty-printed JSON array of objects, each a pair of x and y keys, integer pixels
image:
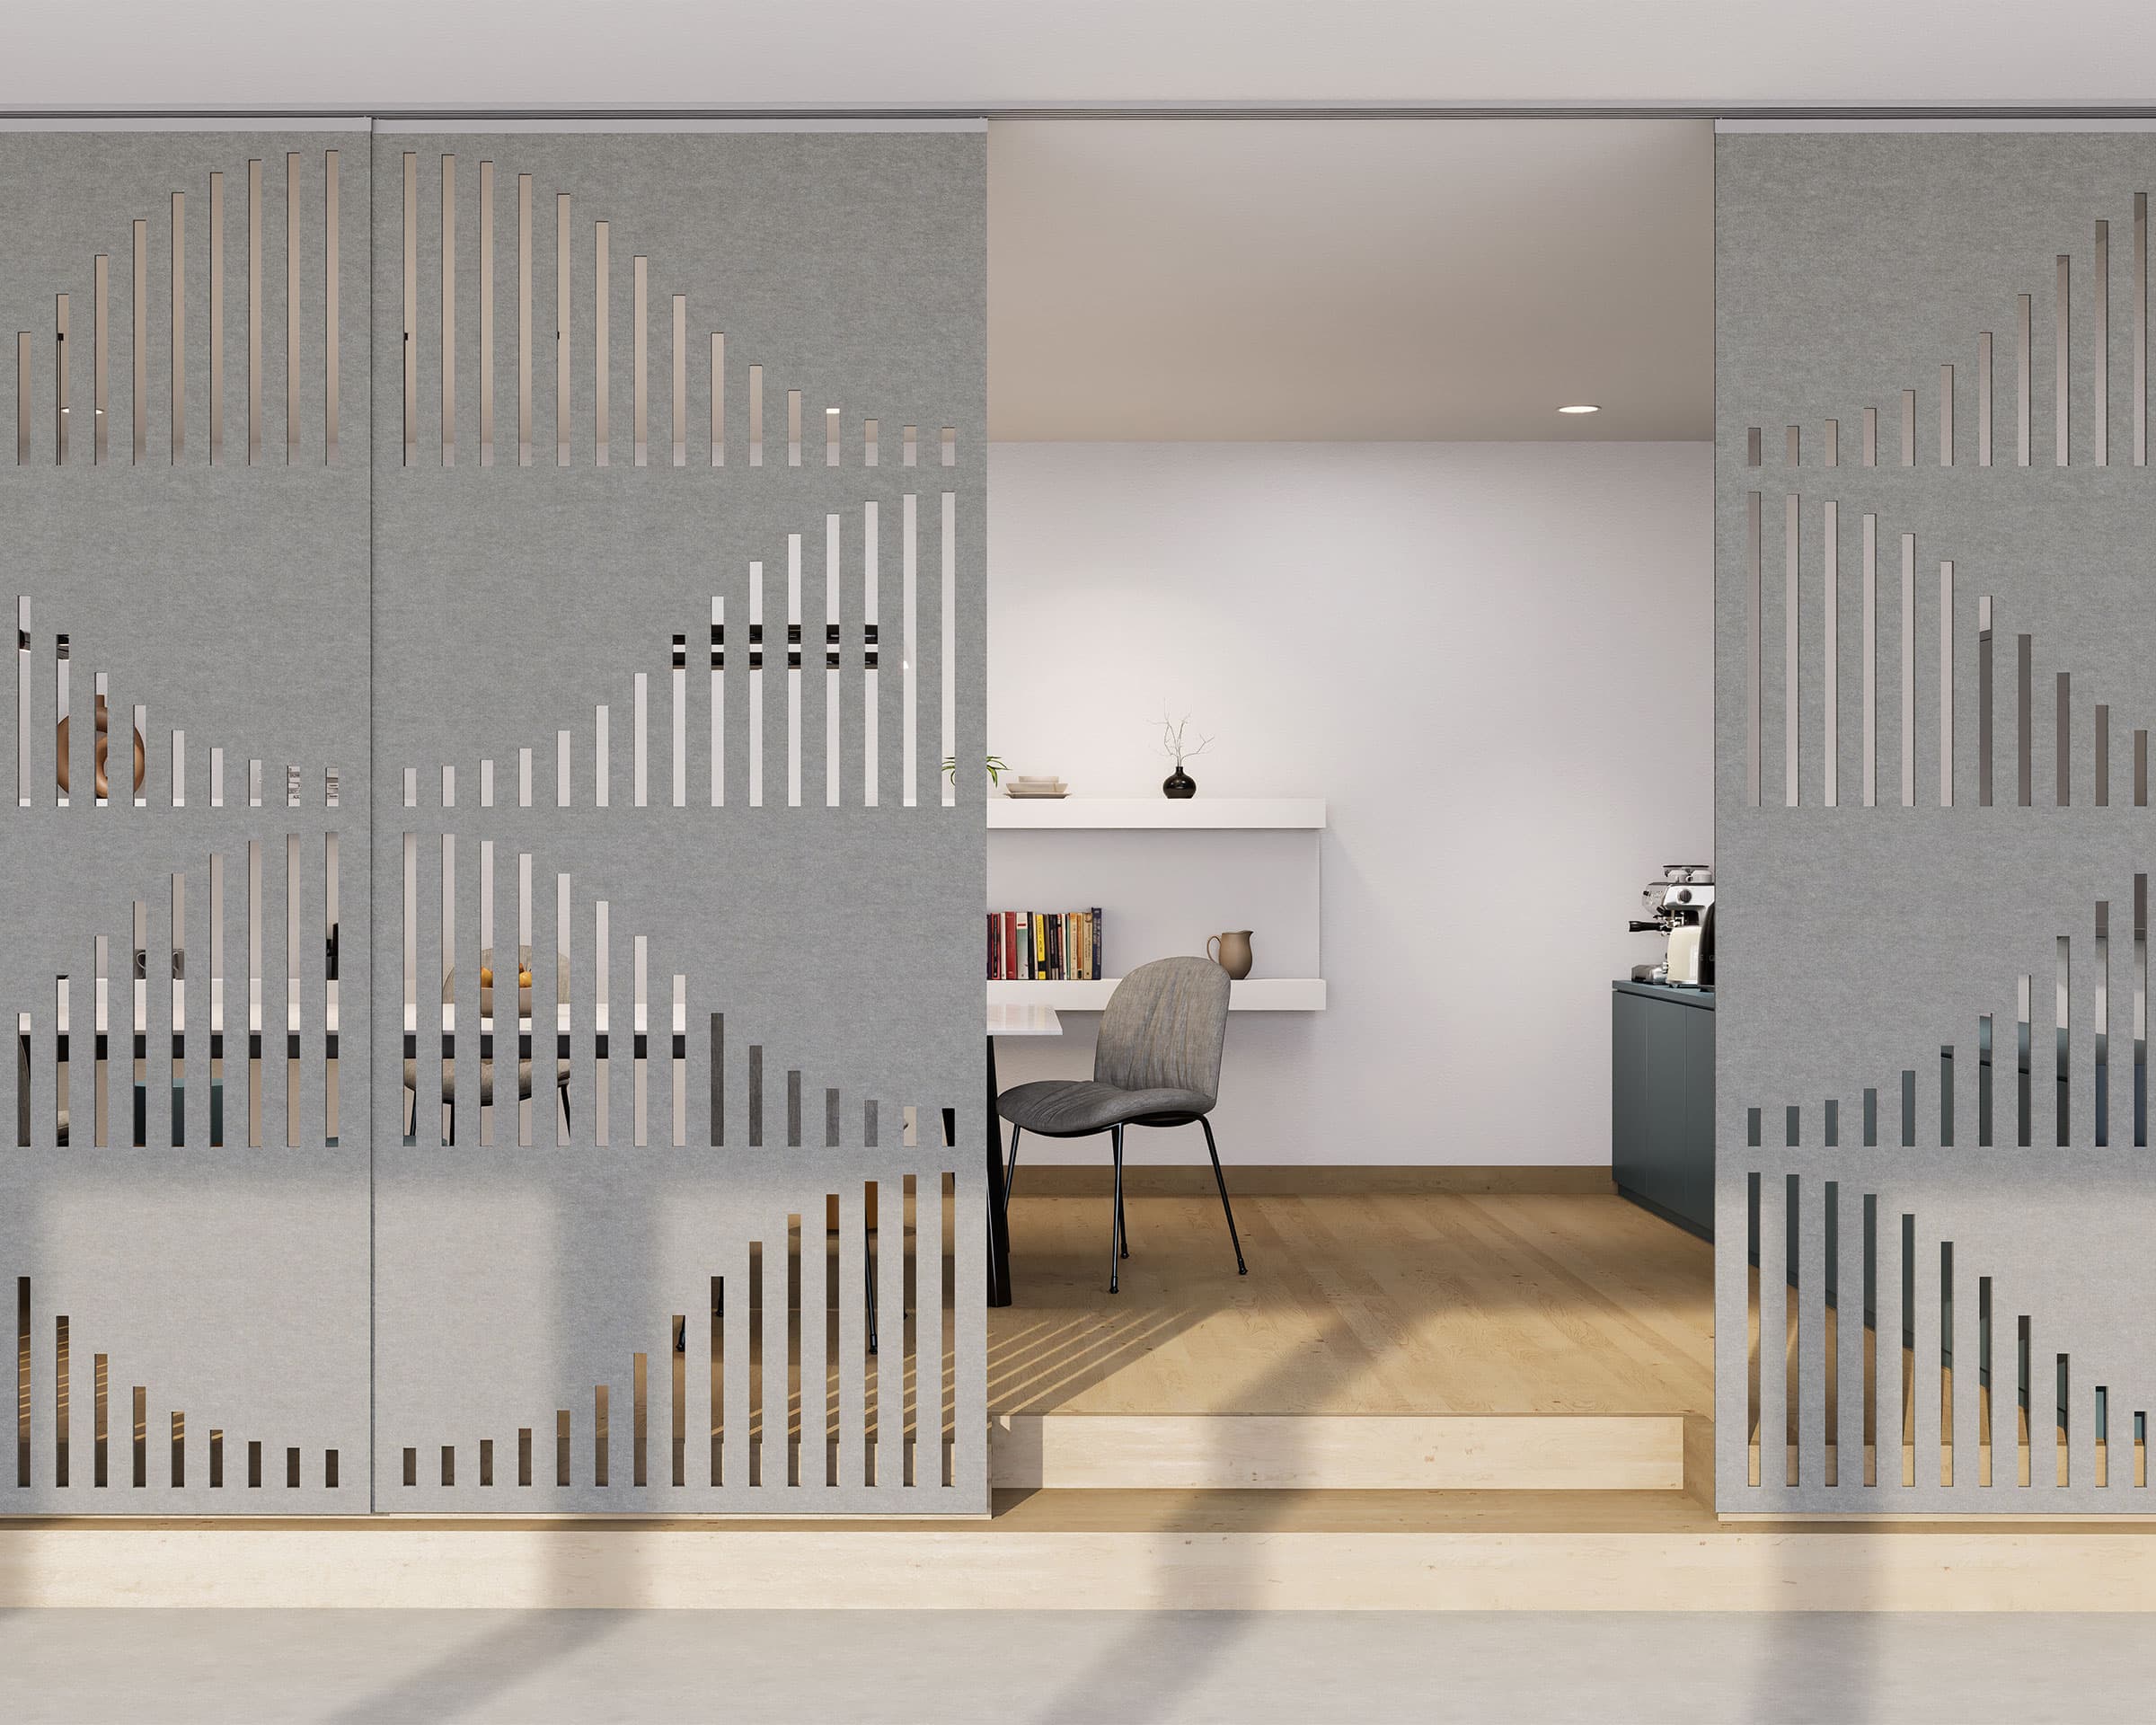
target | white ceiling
[
  {"x": 1308, "y": 278},
  {"x": 1263, "y": 279},
  {"x": 1001, "y": 53}
]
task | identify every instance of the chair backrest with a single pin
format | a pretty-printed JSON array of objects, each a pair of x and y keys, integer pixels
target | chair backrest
[{"x": 1163, "y": 1028}]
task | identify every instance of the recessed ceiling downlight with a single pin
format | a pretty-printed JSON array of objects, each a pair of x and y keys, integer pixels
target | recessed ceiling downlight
[{"x": 1580, "y": 407}]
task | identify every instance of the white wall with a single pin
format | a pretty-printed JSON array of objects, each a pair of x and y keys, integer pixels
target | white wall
[{"x": 1492, "y": 659}]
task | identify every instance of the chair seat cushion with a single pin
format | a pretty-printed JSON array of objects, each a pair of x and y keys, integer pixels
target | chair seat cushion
[{"x": 1065, "y": 1108}]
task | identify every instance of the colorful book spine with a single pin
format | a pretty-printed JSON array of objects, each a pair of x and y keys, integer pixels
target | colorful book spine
[{"x": 1044, "y": 945}]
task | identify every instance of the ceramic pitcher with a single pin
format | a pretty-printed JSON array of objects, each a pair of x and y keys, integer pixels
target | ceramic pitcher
[{"x": 1231, "y": 952}]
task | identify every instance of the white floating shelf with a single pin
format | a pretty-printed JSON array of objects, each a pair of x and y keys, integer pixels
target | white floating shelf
[
  {"x": 1255, "y": 994},
  {"x": 1199, "y": 814}
]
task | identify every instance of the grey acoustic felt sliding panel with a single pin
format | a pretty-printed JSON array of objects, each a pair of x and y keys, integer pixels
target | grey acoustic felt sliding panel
[
  {"x": 678, "y": 609},
  {"x": 184, "y": 1239},
  {"x": 1934, "y": 623}
]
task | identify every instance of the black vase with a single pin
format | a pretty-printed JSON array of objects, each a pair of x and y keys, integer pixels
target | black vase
[{"x": 1179, "y": 786}]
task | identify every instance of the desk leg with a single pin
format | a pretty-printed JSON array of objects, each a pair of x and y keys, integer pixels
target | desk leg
[{"x": 999, "y": 1229}]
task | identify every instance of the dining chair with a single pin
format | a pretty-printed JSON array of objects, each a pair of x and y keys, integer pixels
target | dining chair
[{"x": 1156, "y": 1063}]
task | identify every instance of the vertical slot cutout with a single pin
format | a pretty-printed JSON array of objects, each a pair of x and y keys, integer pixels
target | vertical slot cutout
[
  {"x": 602, "y": 356},
  {"x": 59, "y": 380},
  {"x": 2024, "y": 378},
  {"x": 1946, "y": 686},
  {"x": 2063, "y": 737},
  {"x": 562, "y": 313},
  {"x": 177, "y": 304},
  {"x": 947, "y": 661},
  {"x": 61, "y": 1458},
  {"x": 793, "y": 670},
  {"x": 1986, "y": 1384},
  {"x": 216, "y": 320},
  {"x": 1791, "y": 680},
  {"x": 1752, "y": 1351},
  {"x": 177, "y": 1072},
  {"x": 254, "y": 312},
  {"x": 677, "y": 1052},
  {"x": 639, "y": 1046},
  {"x": 1984, "y": 1081},
  {"x": 1984, "y": 398},
  {"x": 331, "y": 385},
  {"x": 718, "y": 383},
  {"x": 831, "y": 700},
  {"x": 1908, "y": 670},
  {"x": 755, "y": 684},
  {"x": 292, "y": 995},
  {"x": 100, "y": 358},
  {"x": 1984, "y": 702},
  {"x": 2024, "y": 1053},
  {"x": 525, "y": 963},
  {"x": 2061, "y": 376},
  {"x": 524, "y": 328},
  {"x": 448, "y": 314},
  {"x": 639, "y": 1419},
  {"x": 2061, "y": 1039},
  {"x": 681, "y": 380},
  {"x": 679, "y": 725},
  {"x": 486, "y": 315},
  {"x": 411, "y": 1091},
  {"x": 1830, "y": 751},
  {"x": 1754, "y": 625},
  {"x": 602, "y": 964},
  {"x": 2100, "y": 361},
  {"x": 2100, "y": 1098},
  {"x": 641, "y": 353},
  {"x": 292, "y": 368},
  {"x": 564, "y": 1029},
  {"x": 641, "y": 780},
  {"x": 870, "y": 748},
  {"x": 718, "y": 670}
]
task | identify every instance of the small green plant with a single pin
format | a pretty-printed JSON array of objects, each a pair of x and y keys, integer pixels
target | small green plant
[{"x": 997, "y": 766}]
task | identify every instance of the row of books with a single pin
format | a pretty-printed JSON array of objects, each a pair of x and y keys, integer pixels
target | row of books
[{"x": 1044, "y": 945}]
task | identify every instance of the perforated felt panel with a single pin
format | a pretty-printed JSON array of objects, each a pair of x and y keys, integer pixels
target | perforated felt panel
[
  {"x": 675, "y": 907},
  {"x": 184, "y": 1235},
  {"x": 1933, "y": 627}
]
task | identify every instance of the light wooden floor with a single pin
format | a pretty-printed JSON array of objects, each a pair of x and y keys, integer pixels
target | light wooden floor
[{"x": 1401, "y": 1302}]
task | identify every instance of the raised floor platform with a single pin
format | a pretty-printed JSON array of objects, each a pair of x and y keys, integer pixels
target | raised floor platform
[
  {"x": 1399, "y": 1340},
  {"x": 1453, "y": 1402}
]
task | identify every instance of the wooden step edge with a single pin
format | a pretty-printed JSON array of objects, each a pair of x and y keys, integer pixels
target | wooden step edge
[{"x": 1337, "y": 1452}]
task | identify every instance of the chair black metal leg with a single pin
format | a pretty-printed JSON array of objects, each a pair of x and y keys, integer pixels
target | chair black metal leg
[
  {"x": 1011, "y": 1173},
  {"x": 1221, "y": 1181},
  {"x": 1122, "y": 1222},
  {"x": 1117, "y": 1252},
  {"x": 868, "y": 1275}
]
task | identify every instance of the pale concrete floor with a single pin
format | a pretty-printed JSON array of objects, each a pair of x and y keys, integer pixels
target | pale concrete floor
[{"x": 178, "y": 1668}]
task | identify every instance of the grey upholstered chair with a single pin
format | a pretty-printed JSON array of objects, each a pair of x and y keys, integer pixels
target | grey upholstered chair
[{"x": 1157, "y": 1062}]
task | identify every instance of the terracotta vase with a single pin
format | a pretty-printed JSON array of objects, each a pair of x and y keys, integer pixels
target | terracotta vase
[{"x": 1233, "y": 953}]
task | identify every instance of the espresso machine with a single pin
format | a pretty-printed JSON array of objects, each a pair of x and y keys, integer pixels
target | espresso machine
[{"x": 1680, "y": 908}]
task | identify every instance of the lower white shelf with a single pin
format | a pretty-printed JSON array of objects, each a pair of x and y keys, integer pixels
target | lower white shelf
[{"x": 1254, "y": 995}]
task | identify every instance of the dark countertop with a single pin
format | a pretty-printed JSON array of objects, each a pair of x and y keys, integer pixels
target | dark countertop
[{"x": 1662, "y": 991}]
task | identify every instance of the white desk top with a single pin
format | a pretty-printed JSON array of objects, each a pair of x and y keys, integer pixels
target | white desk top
[{"x": 1023, "y": 1018}]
